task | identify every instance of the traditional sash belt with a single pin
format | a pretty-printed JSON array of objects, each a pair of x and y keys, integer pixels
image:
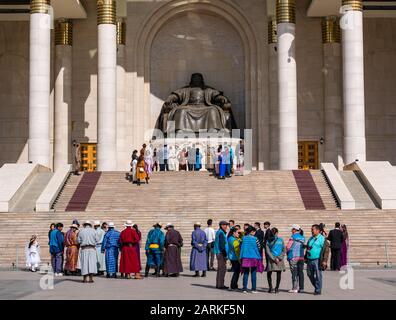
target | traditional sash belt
[
  {"x": 128, "y": 244},
  {"x": 154, "y": 246},
  {"x": 87, "y": 247}
]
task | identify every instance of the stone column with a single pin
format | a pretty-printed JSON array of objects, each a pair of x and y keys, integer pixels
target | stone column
[
  {"x": 353, "y": 74},
  {"x": 107, "y": 89},
  {"x": 332, "y": 80},
  {"x": 273, "y": 94},
  {"x": 287, "y": 82},
  {"x": 63, "y": 92},
  {"x": 123, "y": 158},
  {"x": 39, "y": 82}
]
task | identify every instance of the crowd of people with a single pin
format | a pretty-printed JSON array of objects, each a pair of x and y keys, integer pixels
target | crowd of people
[
  {"x": 220, "y": 163},
  {"x": 94, "y": 249}
]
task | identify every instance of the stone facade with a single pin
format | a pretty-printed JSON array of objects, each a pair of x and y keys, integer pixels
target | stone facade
[{"x": 232, "y": 38}]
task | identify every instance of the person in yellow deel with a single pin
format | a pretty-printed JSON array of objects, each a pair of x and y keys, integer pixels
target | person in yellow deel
[{"x": 141, "y": 173}]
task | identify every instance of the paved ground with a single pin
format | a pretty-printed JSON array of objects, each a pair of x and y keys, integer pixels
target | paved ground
[{"x": 368, "y": 284}]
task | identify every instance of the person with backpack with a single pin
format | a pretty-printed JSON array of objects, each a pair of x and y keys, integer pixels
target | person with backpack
[
  {"x": 295, "y": 256},
  {"x": 314, "y": 256}
]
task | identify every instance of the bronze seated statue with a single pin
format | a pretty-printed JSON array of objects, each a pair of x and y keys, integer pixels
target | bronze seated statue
[{"x": 196, "y": 108}]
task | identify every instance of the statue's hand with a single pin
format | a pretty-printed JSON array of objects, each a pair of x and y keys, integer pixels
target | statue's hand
[
  {"x": 227, "y": 107},
  {"x": 167, "y": 107}
]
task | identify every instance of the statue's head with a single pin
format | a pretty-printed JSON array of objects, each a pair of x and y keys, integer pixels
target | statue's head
[{"x": 197, "y": 80}]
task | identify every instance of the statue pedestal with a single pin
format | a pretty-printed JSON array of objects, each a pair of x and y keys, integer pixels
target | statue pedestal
[{"x": 208, "y": 149}]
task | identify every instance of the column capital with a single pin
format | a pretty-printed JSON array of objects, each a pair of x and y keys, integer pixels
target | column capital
[
  {"x": 106, "y": 10},
  {"x": 331, "y": 30},
  {"x": 353, "y": 5},
  {"x": 285, "y": 11},
  {"x": 64, "y": 32},
  {"x": 40, "y": 6},
  {"x": 272, "y": 34},
  {"x": 121, "y": 32}
]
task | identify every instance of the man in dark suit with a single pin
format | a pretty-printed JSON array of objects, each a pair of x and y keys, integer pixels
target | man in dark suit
[
  {"x": 259, "y": 235},
  {"x": 336, "y": 237}
]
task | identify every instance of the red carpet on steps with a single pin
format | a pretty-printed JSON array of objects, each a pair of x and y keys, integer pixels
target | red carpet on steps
[
  {"x": 308, "y": 190},
  {"x": 83, "y": 192}
]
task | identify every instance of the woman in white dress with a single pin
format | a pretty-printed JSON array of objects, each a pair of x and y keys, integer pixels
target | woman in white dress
[
  {"x": 172, "y": 161},
  {"x": 148, "y": 160},
  {"x": 33, "y": 254}
]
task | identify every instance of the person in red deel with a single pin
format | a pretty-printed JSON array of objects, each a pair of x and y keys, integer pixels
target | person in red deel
[{"x": 129, "y": 240}]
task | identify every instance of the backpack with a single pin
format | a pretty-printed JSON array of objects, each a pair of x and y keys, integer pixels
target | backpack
[{"x": 324, "y": 255}]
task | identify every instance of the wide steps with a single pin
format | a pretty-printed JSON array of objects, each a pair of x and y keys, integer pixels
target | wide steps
[
  {"x": 167, "y": 191},
  {"x": 365, "y": 249}
]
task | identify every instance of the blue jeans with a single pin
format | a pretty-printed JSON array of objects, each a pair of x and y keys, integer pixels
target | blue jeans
[
  {"x": 57, "y": 262},
  {"x": 315, "y": 274},
  {"x": 246, "y": 272}
]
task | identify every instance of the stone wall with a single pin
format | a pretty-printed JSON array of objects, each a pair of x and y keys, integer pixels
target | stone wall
[
  {"x": 198, "y": 43},
  {"x": 380, "y": 88},
  {"x": 14, "y": 88}
]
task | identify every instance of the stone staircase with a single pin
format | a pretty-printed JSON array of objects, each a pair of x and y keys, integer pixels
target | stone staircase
[
  {"x": 369, "y": 230},
  {"x": 184, "y": 198},
  {"x": 175, "y": 191}
]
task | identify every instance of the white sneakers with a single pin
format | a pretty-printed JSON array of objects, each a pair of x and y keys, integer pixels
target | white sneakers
[
  {"x": 58, "y": 274},
  {"x": 293, "y": 291}
]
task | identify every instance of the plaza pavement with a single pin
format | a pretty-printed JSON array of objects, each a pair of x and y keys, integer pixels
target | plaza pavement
[{"x": 368, "y": 284}]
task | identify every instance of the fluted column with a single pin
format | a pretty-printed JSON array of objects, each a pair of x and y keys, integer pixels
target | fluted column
[
  {"x": 107, "y": 89},
  {"x": 332, "y": 80},
  {"x": 287, "y": 82},
  {"x": 273, "y": 94},
  {"x": 353, "y": 76},
  {"x": 63, "y": 92},
  {"x": 39, "y": 82},
  {"x": 123, "y": 157}
]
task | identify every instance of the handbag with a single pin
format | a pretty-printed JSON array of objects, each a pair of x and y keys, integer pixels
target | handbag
[{"x": 141, "y": 170}]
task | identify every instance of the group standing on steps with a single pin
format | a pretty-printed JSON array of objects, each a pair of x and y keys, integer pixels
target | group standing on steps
[
  {"x": 98, "y": 248},
  {"x": 220, "y": 163}
]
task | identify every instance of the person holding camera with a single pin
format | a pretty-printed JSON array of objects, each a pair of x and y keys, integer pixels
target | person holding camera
[{"x": 315, "y": 247}]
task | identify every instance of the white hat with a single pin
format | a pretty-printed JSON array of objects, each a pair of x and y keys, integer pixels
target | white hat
[
  {"x": 296, "y": 227},
  {"x": 128, "y": 223},
  {"x": 87, "y": 222},
  {"x": 97, "y": 223},
  {"x": 74, "y": 226},
  {"x": 198, "y": 223},
  {"x": 111, "y": 225},
  {"x": 169, "y": 225}
]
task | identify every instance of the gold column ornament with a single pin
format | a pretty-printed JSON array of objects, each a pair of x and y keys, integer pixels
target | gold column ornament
[
  {"x": 272, "y": 34},
  {"x": 106, "y": 12},
  {"x": 64, "y": 33},
  {"x": 286, "y": 11},
  {"x": 121, "y": 32},
  {"x": 354, "y": 5},
  {"x": 39, "y": 6},
  {"x": 331, "y": 30}
]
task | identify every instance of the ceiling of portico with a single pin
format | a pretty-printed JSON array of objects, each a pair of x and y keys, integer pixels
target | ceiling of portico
[
  {"x": 17, "y": 10},
  {"x": 372, "y": 9}
]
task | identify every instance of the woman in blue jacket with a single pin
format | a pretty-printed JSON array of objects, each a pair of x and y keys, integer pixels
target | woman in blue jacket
[{"x": 251, "y": 258}]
